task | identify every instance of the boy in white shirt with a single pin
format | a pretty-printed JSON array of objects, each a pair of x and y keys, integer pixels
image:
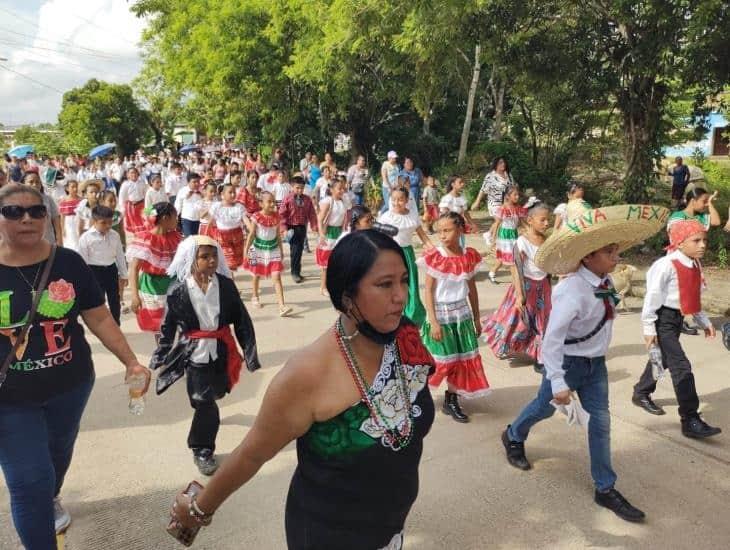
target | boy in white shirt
[
  {"x": 674, "y": 289},
  {"x": 189, "y": 204},
  {"x": 101, "y": 249},
  {"x": 579, "y": 332}
]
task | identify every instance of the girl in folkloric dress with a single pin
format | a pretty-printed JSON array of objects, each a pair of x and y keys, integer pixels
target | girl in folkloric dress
[
  {"x": 399, "y": 216},
  {"x": 210, "y": 197},
  {"x": 503, "y": 232},
  {"x": 263, "y": 251},
  {"x": 520, "y": 321},
  {"x": 331, "y": 220},
  {"x": 67, "y": 207},
  {"x": 566, "y": 210},
  {"x": 229, "y": 218},
  {"x": 452, "y": 324},
  {"x": 149, "y": 255}
]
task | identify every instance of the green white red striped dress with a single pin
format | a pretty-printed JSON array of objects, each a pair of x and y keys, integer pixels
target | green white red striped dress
[
  {"x": 507, "y": 232},
  {"x": 457, "y": 353},
  {"x": 154, "y": 252},
  {"x": 334, "y": 224}
]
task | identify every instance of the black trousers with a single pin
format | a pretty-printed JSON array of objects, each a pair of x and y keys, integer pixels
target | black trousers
[
  {"x": 205, "y": 384},
  {"x": 108, "y": 278},
  {"x": 296, "y": 247},
  {"x": 668, "y": 327}
]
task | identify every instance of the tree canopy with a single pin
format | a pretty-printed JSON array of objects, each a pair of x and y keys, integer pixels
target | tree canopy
[
  {"x": 101, "y": 112},
  {"x": 419, "y": 74}
]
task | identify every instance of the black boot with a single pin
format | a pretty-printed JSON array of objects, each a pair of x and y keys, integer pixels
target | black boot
[
  {"x": 696, "y": 428},
  {"x": 515, "y": 452},
  {"x": 453, "y": 409}
]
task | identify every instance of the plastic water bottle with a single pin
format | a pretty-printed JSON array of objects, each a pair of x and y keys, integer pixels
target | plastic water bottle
[
  {"x": 655, "y": 358},
  {"x": 136, "y": 385}
]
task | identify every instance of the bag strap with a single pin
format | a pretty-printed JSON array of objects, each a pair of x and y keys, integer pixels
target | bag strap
[
  {"x": 591, "y": 334},
  {"x": 31, "y": 315}
]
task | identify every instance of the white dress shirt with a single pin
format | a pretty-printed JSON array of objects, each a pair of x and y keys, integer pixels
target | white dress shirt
[
  {"x": 576, "y": 311},
  {"x": 207, "y": 307},
  {"x": 189, "y": 204},
  {"x": 133, "y": 191},
  {"x": 174, "y": 183},
  {"x": 103, "y": 249},
  {"x": 662, "y": 289}
]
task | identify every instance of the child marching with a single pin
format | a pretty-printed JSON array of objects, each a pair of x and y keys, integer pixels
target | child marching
[
  {"x": 264, "y": 250},
  {"x": 149, "y": 255},
  {"x": 201, "y": 306},
  {"x": 574, "y": 206},
  {"x": 503, "y": 232},
  {"x": 67, "y": 208},
  {"x": 452, "y": 309},
  {"x": 296, "y": 211},
  {"x": 430, "y": 203},
  {"x": 673, "y": 289},
  {"x": 517, "y": 326},
  {"x": 131, "y": 198},
  {"x": 229, "y": 218},
  {"x": 578, "y": 334},
  {"x": 331, "y": 220},
  {"x": 210, "y": 197},
  {"x": 399, "y": 216}
]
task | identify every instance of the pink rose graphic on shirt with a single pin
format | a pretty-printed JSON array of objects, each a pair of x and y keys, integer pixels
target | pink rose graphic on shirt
[
  {"x": 61, "y": 291},
  {"x": 57, "y": 300}
]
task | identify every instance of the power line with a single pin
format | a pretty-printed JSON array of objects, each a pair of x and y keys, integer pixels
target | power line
[
  {"x": 60, "y": 42},
  {"x": 108, "y": 57},
  {"x": 34, "y": 59},
  {"x": 32, "y": 79}
]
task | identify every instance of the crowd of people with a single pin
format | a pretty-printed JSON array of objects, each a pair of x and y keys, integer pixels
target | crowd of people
[{"x": 164, "y": 235}]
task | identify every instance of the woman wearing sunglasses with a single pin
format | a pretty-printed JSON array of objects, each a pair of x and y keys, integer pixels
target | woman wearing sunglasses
[{"x": 51, "y": 373}]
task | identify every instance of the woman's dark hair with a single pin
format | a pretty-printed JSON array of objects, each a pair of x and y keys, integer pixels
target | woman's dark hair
[
  {"x": 450, "y": 182},
  {"x": 495, "y": 162},
  {"x": 164, "y": 210},
  {"x": 351, "y": 260},
  {"x": 357, "y": 212},
  {"x": 11, "y": 189},
  {"x": 455, "y": 217},
  {"x": 695, "y": 193}
]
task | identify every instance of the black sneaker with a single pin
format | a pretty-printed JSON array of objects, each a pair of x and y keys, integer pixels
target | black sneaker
[
  {"x": 696, "y": 428},
  {"x": 515, "y": 452},
  {"x": 205, "y": 461},
  {"x": 646, "y": 403},
  {"x": 688, "y": 329},
  {"x": 614, "y": 501}
]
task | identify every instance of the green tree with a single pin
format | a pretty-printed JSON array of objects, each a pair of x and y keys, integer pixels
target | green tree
[
  {"x": 47, "y": 139},
  {"x": 100, "y": 112}
]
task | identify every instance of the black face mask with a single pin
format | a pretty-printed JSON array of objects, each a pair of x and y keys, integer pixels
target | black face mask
[{"x": 369, "y": 331}]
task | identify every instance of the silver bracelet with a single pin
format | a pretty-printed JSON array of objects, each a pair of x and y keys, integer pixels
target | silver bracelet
[{"x": 197, "y": 514}]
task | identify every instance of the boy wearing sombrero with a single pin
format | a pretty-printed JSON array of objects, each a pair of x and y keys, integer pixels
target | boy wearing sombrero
[
  {"x": 673, "y": 290},
  {"x": 579, "y": 331}
]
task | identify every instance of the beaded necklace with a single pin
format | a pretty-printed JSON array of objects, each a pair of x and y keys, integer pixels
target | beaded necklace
[{"x": 392, "y": 436}]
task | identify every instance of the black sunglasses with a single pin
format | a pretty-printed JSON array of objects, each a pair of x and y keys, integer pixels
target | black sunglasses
[{"x": 16, "y": 212}]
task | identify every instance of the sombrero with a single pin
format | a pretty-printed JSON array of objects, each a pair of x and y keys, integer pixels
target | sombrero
[{"x": 626, "y": 225}]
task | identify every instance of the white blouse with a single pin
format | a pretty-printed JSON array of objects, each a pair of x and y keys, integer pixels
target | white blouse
[
  {"x": 227, "y": 217},
  {"x": 405, "y": 223},
  {"x": 336, "y": 215},
  {"x": 453, "y": 204},
  {"x": 530, "y": 270}
]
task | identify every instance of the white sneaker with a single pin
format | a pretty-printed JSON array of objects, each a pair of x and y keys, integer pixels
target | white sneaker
[{"x": 61, "y": 516}]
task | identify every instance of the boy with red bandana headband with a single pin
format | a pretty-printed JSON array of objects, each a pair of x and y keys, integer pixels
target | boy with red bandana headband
[{"x": 673, "y": 289}]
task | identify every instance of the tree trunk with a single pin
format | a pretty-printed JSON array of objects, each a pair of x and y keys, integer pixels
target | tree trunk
[
  {"x": 470, "y": 104},
  {"x": 427, "y": 125},
  {"x": 640, "y": 103},
  {"x": 497, "y": 89}
]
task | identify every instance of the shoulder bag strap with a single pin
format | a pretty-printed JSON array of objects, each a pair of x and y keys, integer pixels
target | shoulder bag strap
[
  {"x": 31, "y": 316},
  {"x": 591, "y": 334}
]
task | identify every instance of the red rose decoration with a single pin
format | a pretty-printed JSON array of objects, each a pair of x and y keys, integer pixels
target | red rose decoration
[
  {"x": 411, "y": 348},
  {"x": 61, "y": 291}
]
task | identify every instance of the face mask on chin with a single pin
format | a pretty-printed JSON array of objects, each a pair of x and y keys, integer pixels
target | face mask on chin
[{"x": 369, "y": 331}]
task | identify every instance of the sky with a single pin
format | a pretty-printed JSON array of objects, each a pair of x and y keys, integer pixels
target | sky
[{"x": 60, "y": 44}]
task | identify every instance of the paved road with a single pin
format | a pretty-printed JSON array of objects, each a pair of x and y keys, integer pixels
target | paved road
[{"x": 127, "y": 468}]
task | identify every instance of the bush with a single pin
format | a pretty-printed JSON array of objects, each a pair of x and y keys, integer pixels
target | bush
[{"x": 479, "y": 162}]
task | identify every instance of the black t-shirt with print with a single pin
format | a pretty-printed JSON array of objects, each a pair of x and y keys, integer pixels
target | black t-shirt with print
[{"x": 56, "y": 357}]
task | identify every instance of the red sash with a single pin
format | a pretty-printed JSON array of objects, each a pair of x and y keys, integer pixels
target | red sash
[
  {"x": 689, "y": 280},
  {"x": 233, "y": 363}
]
